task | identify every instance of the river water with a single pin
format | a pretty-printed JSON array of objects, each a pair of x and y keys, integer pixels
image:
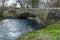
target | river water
[{"x": 12, "y": 28}]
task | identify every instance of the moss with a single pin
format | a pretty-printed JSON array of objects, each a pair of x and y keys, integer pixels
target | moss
[{"x": 8, "y": 14}]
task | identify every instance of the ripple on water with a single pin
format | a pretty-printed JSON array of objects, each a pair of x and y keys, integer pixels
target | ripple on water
[{"x": 11, "y": 28}]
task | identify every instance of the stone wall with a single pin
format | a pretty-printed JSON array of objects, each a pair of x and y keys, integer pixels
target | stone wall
[{"x": 54, "y": 14}]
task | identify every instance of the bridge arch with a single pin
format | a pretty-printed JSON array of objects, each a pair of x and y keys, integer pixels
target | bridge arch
[
  {"x": 25, "y": 15},
  {"x": 28, "y": 15}
]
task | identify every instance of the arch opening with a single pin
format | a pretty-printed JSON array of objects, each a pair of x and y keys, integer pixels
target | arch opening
[{"x": 26, "y": 15}]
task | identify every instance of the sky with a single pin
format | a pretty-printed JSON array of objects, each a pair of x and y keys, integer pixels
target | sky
[
  {"x": 8, "y": 3},
  {"x": 11, "y": 1}
]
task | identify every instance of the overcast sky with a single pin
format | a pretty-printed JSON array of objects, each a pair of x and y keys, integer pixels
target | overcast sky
[{"x": 11, "y": 1}]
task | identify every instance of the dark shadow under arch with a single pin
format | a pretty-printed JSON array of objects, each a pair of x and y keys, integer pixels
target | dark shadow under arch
[{"x": 25, "y": 15}]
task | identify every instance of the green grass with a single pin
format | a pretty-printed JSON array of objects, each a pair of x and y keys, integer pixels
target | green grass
[
  {"x": 7, "y": 14},
  {"x": 52, "y": 32}
]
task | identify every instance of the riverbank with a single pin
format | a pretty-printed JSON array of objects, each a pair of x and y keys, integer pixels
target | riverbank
[
  {"x": 1, "y": 18},
  {"x": 52, "y": 32}
]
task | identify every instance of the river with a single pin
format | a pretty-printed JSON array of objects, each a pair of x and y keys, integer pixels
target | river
[{"x": 12, "y": 28}]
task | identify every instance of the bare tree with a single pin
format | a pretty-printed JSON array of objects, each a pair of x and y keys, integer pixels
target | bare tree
[
  {"x": 20, "y": 3},
  {"x": 2, "y": 8},
  {"x": 57, "y": 4},
  {"x": 34, "y": 3},
  {"x": 53, "y": 3}
]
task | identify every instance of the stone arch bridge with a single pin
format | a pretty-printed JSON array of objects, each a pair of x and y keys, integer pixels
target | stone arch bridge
[
  {"x": 30, "y": 11},
  {"x": 19, "y": 11}
]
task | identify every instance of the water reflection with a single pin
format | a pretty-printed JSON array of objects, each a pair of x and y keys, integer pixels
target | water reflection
[{"x": 11, "y": 28}]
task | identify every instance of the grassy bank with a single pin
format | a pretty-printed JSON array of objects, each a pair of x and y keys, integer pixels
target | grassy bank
[{"x": 52, "y": 32}]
